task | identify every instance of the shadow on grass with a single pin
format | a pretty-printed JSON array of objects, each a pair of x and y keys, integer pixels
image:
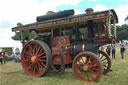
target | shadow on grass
[{"x": 68, "y": 74}]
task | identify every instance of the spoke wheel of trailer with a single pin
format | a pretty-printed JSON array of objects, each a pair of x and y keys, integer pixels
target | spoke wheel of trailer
[
  {"x": 106, "y": 61},
  {"x": 87, "y": 66},
  {"x": 35, "y": 58}
]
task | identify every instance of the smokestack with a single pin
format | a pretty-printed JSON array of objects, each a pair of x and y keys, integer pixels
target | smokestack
[{"x": 89, "y": 10}]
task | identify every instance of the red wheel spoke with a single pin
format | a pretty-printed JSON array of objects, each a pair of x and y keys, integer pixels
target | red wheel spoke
[
  {"x": 29, "y": 66},
  {"x": 35, "y": 47},
  {"x": 41, "y": 50},
  {"x": 43, "y": 64},
  {"x": 93, "y": 72},
  {"x": 28, "y": 57},
  {"x": 39, "y": 66},
  {"x": 94, "y": 62},
  {"x": 38, "y": 50},
  {"x": 27, "y": 60},
  {"x": 42, "y": 60},
  {"x": 42, "y": 57},
  {"x": 93, "y": 68},
  {"x": 41, "y": 54},
  {"x": 79, "y": 66},
  {"x": 35, "y": 68},
  {"x": 28, "y": 53},
  {"x": 28, "y": 63},
  {"x": 30, "y": 48}
]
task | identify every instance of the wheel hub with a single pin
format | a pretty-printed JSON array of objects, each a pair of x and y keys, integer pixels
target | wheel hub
[
  {"x": 85, "y": 68},
  {"x": 33, "y": 58}
]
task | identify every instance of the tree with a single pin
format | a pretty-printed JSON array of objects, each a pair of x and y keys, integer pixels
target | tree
[
  {"x": 126, "y": 18},
  {"x": 50, "y": 12},
  {"x": 33, "y": 35},
  {"x": 122, "y": 32},
  {"x": 21, "y": 35}
]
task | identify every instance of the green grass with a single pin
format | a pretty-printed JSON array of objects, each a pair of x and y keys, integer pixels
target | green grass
[{"x": 12, "y": 73}]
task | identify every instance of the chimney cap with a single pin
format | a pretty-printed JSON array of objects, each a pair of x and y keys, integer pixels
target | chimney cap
[{"x": 89, "y": 10}]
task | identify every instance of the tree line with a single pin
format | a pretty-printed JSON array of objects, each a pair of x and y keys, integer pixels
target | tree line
[{"x": 122, "y": 32}]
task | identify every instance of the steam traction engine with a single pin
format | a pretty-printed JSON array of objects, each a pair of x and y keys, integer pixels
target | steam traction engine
[{"x": 67, "y": 40}]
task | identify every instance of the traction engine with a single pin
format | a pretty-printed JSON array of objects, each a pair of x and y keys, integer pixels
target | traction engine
[{"x": 72, "y": 41}]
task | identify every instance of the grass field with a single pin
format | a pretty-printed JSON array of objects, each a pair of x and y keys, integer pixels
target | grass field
[{"x": 12, "y": 73}]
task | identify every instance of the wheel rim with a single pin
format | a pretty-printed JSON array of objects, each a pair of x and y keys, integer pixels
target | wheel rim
[
  {"x": 105, "y": 59},
  {"x": 34, "y": 59},
  {"x": 87, "y": 68}
]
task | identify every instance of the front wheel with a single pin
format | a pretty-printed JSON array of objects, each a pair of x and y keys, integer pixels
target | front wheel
[
  {"x": 87, "y": 66},
  {"x": 35, "y": 58}
]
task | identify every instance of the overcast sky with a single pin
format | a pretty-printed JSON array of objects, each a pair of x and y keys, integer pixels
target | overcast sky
[{"x": 26, "y": 11}]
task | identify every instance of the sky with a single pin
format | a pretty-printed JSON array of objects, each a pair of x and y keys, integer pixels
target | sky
[{"x": 26, "y": 11}]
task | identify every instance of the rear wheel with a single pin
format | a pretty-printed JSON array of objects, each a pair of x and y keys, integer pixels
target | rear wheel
[
  {"x": 87, "y": 66},
  {"x": 35, "y": 58},
  {"x": 106, "y": 61}
]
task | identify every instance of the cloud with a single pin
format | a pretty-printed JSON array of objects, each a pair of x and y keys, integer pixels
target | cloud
[
  {"x": 24, "y": 11},
  {"x": 77, "y": 11},
  {"x": 122, "y": 13},
  {"x": 100, "y": 7}
]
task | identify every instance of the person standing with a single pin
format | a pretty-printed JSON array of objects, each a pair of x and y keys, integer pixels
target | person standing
[
  {"x": 122, "y": 50},
  {"x": 113, "y": 51},
  {"x": 108, "y": 50}
]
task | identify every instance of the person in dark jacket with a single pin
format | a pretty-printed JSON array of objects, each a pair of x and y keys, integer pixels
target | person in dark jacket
[
  {"x": 113, "y": 51},
  {"x": 122, "y": 50},
  {"x": 108, "y": 50}
]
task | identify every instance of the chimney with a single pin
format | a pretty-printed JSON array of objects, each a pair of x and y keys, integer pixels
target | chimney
[{"x": 89, "y": 10}]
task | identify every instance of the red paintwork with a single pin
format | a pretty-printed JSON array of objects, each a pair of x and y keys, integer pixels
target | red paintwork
[
  {"x": 60, "y": 41},
  {"x": 67, "y": 58},
  {"x": 101, "y": 40},
  {"x": 57, "y": 44}
]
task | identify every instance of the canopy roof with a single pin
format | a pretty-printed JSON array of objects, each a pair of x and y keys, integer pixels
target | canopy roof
[{"x": 50, "y": 24}]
